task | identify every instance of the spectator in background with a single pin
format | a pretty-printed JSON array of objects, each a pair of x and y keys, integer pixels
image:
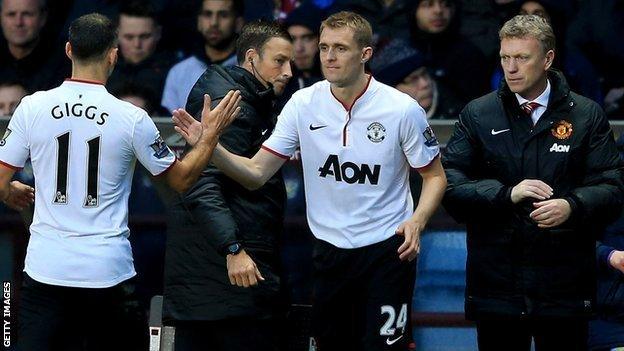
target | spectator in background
[
  {"x": 11, "y": 93},
  {"x": 140, "y": 96},
  {"x": 481, "y": 20},
  {"x": 385, "y": 16},
  {"x": 595, "y": 52},
  {"x": 303, "y": 26},
  {"x": 403, "y": 67},
  {"x": 453, "y": 60},
  {"x": 26, "y": 56},
  {"x": 532, "y": 7},
  {"x": 282, "y": 8},
  {"x": 139, "y": 62},
  {"x": 219, "y": 22},
  {"x": 553, "y": 15},
  {"x": 606, "y": 332},
  {"x": 614, "y": 103}
]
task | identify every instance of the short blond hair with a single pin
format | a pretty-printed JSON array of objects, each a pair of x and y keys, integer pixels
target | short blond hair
[
  {"x": 362, "y": 31},
  {"x": 529, "y": 26}
]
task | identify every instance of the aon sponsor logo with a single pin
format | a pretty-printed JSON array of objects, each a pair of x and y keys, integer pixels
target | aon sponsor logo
[
  {"x": 349, "y": 172},
  {"x": 559, "y": 148}
]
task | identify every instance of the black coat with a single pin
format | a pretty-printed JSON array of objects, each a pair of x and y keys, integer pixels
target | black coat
[
  {"x": 468, "y": 77},
  {"x": 44, "y": 68},
  {"x": 217, "y": 212},
  {"x": 513, "y": 267},
  {"x": 149, "y": 74}
]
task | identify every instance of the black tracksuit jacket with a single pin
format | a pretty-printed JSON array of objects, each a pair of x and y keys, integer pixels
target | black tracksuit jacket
[
  {"x": 515, "y": 269},
  {"x": 217, "y": 211}
]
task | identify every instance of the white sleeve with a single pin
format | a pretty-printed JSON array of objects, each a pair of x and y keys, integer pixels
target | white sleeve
[
  {"x": 15, "y": 143},
  {"x": 169, "y": 96},
  {"x": 418, "y": 141},
  {"x": 284, "y": 140},
  {"x": 149, "y": 148}
]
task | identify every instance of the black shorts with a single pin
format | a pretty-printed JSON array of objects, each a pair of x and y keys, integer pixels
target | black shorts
[
  {"x": 362, "y": 297},
  {"x": 54, "y": 318}
]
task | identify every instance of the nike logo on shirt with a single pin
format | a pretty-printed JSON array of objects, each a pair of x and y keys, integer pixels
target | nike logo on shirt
[
  {"x": 495, "y": 132},
  {"x": 392, "y": 341},
  {"x": 313, "y": 127}
]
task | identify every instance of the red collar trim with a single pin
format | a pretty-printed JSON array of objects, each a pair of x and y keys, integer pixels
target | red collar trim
[
  {"x": 348, "y": 108},
  {"x": 84, "y": 81}
]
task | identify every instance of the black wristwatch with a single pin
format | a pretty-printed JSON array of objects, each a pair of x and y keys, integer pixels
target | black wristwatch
[{"x": 233, "y": 249}]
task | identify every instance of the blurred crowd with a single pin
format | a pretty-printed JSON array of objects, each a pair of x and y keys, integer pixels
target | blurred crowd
[{"x": 441, "y": 52}]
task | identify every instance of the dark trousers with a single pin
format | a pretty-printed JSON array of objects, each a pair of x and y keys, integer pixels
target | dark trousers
[
  {"x": 239, "y": 334},
  {"x": 362, "y": 297},
  {"x": 57, "y": 318},
  {"x": 548, "y": 335}
]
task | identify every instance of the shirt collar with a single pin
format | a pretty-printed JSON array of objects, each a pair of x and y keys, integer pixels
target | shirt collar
[
  {"x": 84, "y": 84},
  {"x": 369, "y": 89},
  {"x": 542, "y": 99}
]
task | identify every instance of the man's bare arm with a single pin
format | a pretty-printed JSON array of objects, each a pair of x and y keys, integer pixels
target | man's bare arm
[
  {"x": 433, "y": 186},
  {"x": 250, "y": 173},
  {"x": 14, "y": 194},
  {"x": 183, "y": 174}
]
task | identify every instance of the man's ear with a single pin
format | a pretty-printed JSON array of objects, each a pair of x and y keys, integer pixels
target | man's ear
[
  {"x": 550, "y": 57},
  {"x": 68, "y": 50},
  {"x": 367, "y": 53},
  {"x": 112, "y": 56},
  {"x": 251, "y": 55}
]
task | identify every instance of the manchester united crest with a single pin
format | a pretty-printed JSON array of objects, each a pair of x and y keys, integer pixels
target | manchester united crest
[
  {"x": 562, "y": 130},
  {"x": 376, "y": 132}
]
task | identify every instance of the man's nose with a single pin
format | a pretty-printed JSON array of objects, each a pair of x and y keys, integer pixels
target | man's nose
[{"x": 287, "y": 71}]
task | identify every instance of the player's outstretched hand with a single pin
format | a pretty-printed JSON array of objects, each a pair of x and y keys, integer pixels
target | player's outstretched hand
[
  {"x": 411, "y": 246},
  {"x": 20, "y": 196},
  {"x": 188, "y": 127},
  {"x": 215, "y": 120},
  {"x": 242, "y": 270}
]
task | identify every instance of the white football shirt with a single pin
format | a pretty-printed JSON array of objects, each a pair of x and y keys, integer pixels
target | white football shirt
[
  {"x": 355, "y": 160},
  {"x": 83, "y": 144}
]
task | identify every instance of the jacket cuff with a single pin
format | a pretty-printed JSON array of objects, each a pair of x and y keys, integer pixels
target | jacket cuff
[
  {"x": 576, "y": 208},
  {"x": 604, "y": 255},
  {"x": 504, "y": 196},
  {"x": 223, "y": 251}
]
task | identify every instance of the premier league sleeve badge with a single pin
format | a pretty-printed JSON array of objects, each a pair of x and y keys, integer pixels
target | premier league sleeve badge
[{"x": 6, "y": 135}]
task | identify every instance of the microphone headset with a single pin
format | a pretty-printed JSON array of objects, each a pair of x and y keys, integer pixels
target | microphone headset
[{"x": 269, "y": 90}]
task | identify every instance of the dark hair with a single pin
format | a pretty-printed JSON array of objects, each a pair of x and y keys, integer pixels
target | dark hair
[
  {"x": 238, "y": 7},
  {"x": 255, "y": 34},
  {"x": 139, "y": 8},
  {"x": 91, "y": 36},
  {"x": 7, "y": 83},
  {"x": 138, "y": 90}
]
